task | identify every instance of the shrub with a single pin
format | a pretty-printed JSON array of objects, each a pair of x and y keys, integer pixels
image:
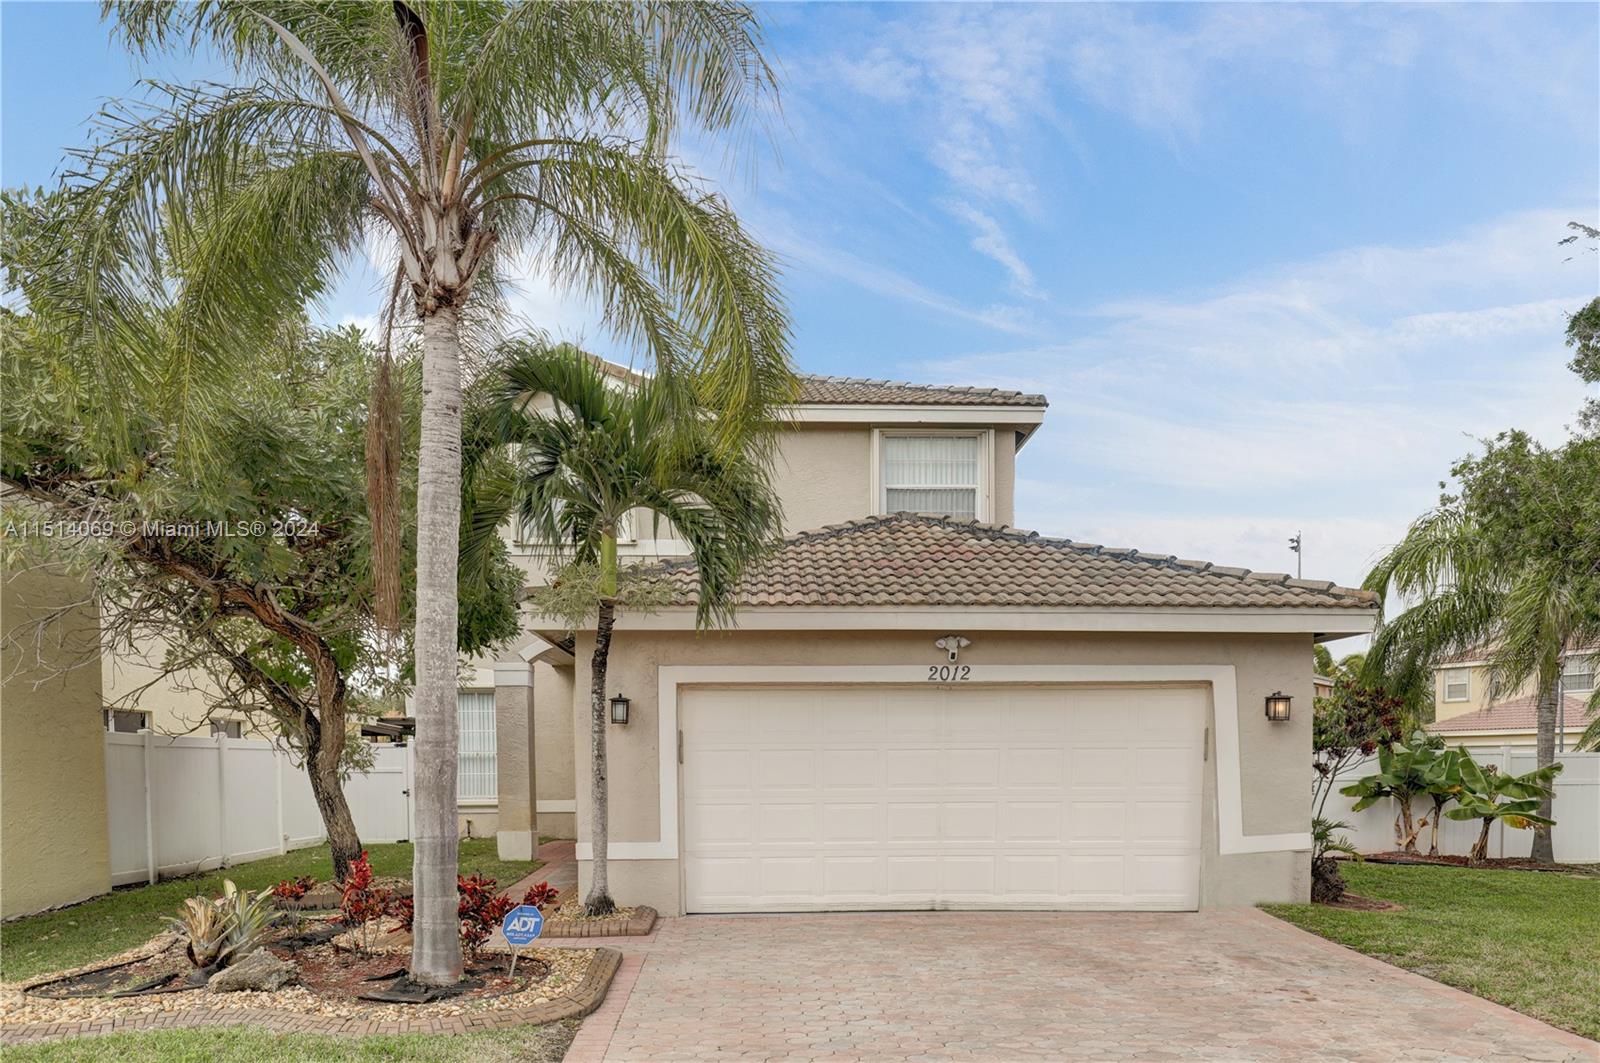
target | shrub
[
  {"x": 480, "y": 909},
  {"x": 541, "y": 894},
  {"x": 361, "y": 904},
  {"x": 295, "y": 888}
]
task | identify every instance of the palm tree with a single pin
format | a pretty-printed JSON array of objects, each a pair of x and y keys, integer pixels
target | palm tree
[
  {"x": 449, "y": 133},
  {"x": 588, "y": 454},
  {"x": 1502, "y": 565}
]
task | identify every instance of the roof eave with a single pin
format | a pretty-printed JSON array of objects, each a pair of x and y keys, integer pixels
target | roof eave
[{"x": 1320, "y": 623}]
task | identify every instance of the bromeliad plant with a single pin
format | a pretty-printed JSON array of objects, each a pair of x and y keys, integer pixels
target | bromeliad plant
[
  {"x": 1514, "y": 800},
  {"x": 219, "y": 932}
]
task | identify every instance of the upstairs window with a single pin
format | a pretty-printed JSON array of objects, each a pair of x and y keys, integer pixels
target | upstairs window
[
  {"x": 1577, "y": 675},
  {"x": 477, "y": 777},
  {"x": 1457, "y": 684},
  {"x": 933, "y": 474}
]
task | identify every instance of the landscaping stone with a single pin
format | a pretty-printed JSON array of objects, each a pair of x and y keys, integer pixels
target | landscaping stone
[{"x": 260, "y": 971}]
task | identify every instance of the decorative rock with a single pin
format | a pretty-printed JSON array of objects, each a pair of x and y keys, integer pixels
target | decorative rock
[{"x": 260, "y": 970}]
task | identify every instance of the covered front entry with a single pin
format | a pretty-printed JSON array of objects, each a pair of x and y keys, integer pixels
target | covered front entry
[{"x": 835, "y": 797}]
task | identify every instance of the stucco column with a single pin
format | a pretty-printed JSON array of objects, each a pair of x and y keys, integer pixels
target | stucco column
[{"x": 517, "y": 836}]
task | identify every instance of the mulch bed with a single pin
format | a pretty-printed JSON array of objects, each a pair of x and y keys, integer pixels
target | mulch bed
[
  {"x": 568, "y": 921},
  {"x": 334, "y": 979},
  {"x": 1506, "y": 863},
  {"x": 1354, "y": 902}
]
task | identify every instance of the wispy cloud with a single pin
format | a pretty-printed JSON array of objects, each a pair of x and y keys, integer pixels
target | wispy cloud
[
  {"x": 990, "y": 241},
  {"x": 1333, "y": 393}
]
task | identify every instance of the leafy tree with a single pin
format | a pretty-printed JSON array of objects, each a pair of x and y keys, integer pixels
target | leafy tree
[
  {"x": 458, "y": 132},
  {"x": 1517, "y": 801},
  {"x": 589, "y": 454},
  {"x": 1509, "y": 560},
  {"x": 256, "y": 578},
  {"x": 1347, "y": 726}
]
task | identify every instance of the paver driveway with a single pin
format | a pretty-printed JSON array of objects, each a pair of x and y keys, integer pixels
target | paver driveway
[{"x": 1003, "y": 986}]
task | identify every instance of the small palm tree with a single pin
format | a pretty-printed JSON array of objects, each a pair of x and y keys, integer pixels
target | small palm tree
[
  {"x": 453, "y": 133},
  {"x": 590, "y": 452}
]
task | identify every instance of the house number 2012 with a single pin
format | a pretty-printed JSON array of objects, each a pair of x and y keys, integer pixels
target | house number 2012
[{"x": 949, "y": 673}]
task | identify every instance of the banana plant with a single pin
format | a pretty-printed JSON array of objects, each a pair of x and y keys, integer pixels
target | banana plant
[
  {"x": 1487, "y": 795},
  {"x": 1402, "y": 775},
  {"x": 1443, "y": 785}
]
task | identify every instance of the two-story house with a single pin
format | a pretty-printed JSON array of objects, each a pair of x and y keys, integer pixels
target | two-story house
[
  {"x": 1467, "y": 710},
  {"x": 920, "y": 706}
]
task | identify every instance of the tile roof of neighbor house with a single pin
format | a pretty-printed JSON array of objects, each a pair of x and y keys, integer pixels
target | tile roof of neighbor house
[
  {"x": 856, "y": 391},
  {"x": 913, "y": 559},
  {"x": 1518, "y": 715}
]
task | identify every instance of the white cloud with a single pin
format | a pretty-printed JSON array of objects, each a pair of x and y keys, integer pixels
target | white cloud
[
  {"x": 990, "y": 241},
  {"x": 1333, "y": 394}
]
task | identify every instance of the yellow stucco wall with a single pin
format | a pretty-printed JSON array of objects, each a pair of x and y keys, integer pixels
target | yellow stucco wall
[
  {"x": 53, "y": 844},
  {"x": 178, "y": 704},
  {"x": 1477, "y": 692}
]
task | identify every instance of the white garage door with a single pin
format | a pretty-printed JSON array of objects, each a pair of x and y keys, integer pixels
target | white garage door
[{"x": 817, "y": 798}]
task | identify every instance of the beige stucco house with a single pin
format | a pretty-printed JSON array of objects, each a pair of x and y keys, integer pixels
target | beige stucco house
[
  {"x": 922, "y": 707},
  {"x": 1467, "y": 710},
  {"x": 52, "y": 749}
]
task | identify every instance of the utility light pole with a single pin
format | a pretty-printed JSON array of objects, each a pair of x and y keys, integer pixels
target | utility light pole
[{"x": 1299, "y": 559}]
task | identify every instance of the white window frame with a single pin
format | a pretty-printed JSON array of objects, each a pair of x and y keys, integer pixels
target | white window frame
[
  {"x": 477, "y": 800},
  {"x": 224, "y": 724},
  {"x": 1577, "y": 661},
  {"x": 985, "y": 437},
  {"x": 1465, "y": 682}
]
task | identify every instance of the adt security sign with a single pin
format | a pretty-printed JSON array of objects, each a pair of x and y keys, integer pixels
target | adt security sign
[{"x": 522, "y": 924}]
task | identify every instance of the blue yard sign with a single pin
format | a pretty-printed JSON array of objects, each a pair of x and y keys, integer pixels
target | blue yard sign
[{"x": 522, "y": 924}]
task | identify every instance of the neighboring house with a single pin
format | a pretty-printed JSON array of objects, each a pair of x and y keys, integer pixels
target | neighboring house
[
  {"x": 928, "y": 711},
  {"x": 1322, "y": 686},
  {"x": 1465, "y": 706},
  {"x": 1515, "y": 723},
  {"x": 52, "y": 745},
  {"x": 140, "y": 695}
]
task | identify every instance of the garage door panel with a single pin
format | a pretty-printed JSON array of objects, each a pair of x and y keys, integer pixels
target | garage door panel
[
  {"x": 912, "y": 769},
  {"x": 912, "y": 822},
  {"x": 971, "y": 768},
  {"x": 1098, "y": 764},
  {"x": 973, "y": 821},
  {"x": 1035, "y": 768},
  {"x": 852, "y": 769},
  {"x": 820, "y": 798},
  {"x": 1032, "y": 821},
  {"x": 1097, "y": 821},
  {"x": 846, "y": 824},
  {"x": 719, "y": 824}
]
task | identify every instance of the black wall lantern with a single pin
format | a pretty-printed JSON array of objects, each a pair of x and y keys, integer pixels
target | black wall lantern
[
  {"x": 1278, "y": 706},
  {"x": 619, "y": 709}
]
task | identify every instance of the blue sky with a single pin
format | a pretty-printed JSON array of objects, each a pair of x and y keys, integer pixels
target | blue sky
[{"x": 1275, "y": 266}]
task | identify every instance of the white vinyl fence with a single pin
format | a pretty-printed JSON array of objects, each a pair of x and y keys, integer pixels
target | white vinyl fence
[
  {"x": 180, "y": 805},
  {"x": 1576, "y": 836}
]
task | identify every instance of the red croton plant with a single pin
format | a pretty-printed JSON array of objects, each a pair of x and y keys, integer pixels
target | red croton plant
[{"x": 480, "y": 908}]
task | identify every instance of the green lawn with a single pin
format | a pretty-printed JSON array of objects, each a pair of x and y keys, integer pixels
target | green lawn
[
  {"x": 531, "y": 1044},
  {"x": 123, "y": 918},
  {"x": 1529, "y": 940}
]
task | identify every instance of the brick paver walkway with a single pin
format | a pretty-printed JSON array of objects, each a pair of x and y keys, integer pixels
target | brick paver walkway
[{"x": 1234, "y": 985}]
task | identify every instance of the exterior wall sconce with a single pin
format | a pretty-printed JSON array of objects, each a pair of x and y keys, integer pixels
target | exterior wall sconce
[
  {"x": 619, "y": 709},
  {"x": 1278, "y": 706}
]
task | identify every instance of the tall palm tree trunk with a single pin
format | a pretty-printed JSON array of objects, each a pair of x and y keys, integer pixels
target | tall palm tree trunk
[
  {"x": 599, "y": 901},
  {"x": 1543, "y": 845},
  {"x": 436, "y": 945}
]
